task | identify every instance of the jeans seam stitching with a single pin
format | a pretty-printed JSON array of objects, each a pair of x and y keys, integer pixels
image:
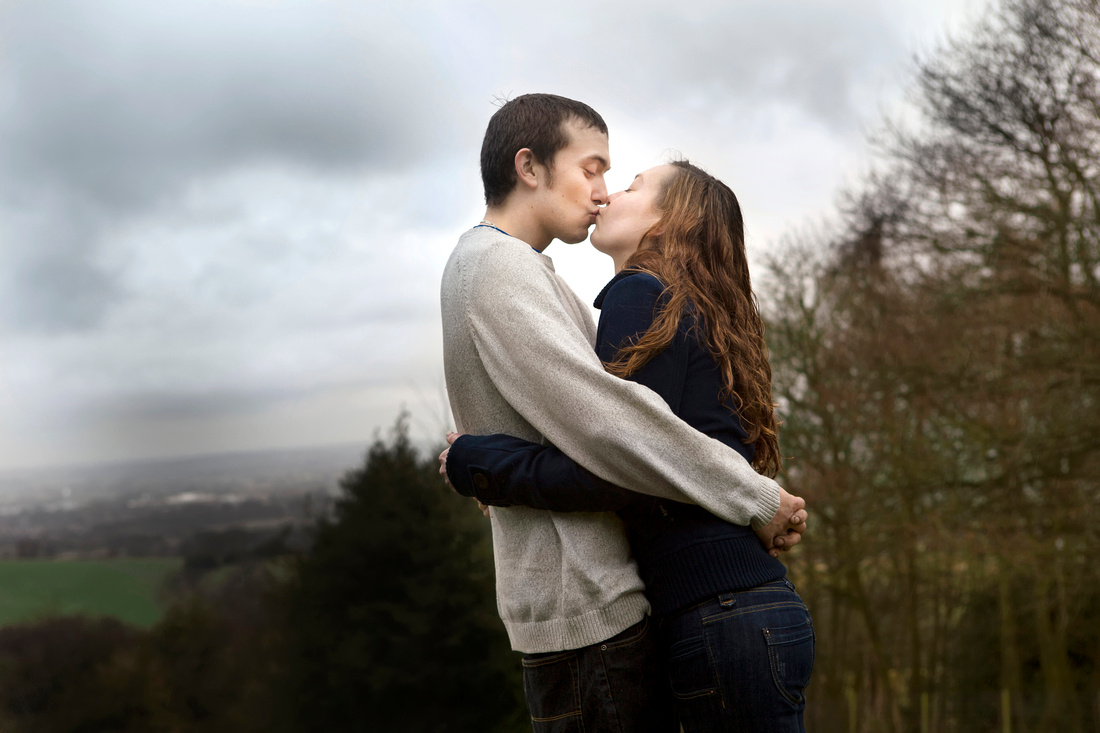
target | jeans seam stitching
[
  {"x": 577, "y": 697},
  {"x": 775, "y": 677},
  {"x": 717, "y": 678},
  {"x": 556, "y": 717},
  {"x": 548, "y": 660},
  {"x": 633, "y": 639},
  {"x": 610, "y": 690},
  {"x": 752, "y": 609}
]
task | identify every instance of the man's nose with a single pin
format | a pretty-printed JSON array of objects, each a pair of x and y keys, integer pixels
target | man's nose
[{"x": 599, "y": 194}]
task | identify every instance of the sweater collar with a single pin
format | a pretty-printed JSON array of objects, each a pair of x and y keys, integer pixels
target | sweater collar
[{"x": 621, "y": 275}]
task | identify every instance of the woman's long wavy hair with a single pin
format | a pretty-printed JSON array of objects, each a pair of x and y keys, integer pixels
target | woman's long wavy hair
[{"x": 697, "y": 249}]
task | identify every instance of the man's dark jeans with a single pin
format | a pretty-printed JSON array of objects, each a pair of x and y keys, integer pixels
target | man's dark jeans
[{"x": 617, "y": 686}]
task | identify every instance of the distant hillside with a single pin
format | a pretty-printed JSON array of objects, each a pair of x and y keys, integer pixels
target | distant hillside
[{"x": 247, "y": 473}]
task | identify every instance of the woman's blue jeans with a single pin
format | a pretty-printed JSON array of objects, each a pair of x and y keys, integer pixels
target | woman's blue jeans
[{"x": 741, "y": 661}]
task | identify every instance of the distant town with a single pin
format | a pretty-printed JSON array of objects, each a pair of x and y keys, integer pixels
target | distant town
[{"x": 212, "y": 504}]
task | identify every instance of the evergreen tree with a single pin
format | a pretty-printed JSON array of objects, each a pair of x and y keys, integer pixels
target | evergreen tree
[{"x": 392, "y": 615}]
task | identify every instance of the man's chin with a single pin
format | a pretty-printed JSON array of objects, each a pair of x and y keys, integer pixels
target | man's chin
[{"x": 575, "y": 237}]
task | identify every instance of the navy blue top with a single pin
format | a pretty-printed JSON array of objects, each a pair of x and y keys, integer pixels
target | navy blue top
[{"x": 684, "y": 553}]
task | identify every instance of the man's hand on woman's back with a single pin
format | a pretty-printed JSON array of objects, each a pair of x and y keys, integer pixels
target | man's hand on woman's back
[{"x": 786, "y": 528}]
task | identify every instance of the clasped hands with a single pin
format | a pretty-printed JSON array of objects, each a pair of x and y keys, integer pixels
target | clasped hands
[{"x": 779, "y": 535}]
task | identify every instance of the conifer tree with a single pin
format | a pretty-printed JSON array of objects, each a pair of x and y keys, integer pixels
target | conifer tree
[{"x": 393, "y": 619}]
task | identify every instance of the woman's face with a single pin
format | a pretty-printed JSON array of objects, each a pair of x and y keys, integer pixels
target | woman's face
[{"x": 629, "y": 215}]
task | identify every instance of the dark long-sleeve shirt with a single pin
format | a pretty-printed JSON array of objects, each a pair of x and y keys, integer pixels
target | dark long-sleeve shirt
[{"x": 684, "y": 553}]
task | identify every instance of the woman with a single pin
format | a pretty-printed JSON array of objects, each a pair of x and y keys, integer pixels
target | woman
[{"x": 680, "y": 317}]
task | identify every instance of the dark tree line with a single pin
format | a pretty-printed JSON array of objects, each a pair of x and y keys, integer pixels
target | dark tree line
[{"x": 386, "y": 623}]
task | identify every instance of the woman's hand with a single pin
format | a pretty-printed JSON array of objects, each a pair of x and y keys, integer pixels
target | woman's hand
[{"x": 451, "y": 438}]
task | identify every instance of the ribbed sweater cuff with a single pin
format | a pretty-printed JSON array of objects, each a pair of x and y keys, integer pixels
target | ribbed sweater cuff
[{"x": 769, "y": 504}]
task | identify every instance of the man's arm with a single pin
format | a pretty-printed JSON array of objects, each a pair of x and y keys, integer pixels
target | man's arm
[
  {"x": 502, "y": 470},
  {"x": 546, "y": 368}
]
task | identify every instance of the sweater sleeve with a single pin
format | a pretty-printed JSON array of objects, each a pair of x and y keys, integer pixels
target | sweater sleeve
[
  {"x": 546, "y": 369},
  {"x": 502, "y": 470}
]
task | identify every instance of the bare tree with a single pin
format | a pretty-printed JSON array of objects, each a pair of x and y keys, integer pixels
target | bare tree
[{"x": 937, "y": 360}]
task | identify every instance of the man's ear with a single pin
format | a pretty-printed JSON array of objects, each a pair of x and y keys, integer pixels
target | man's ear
[{"x": 527, "y": 168}]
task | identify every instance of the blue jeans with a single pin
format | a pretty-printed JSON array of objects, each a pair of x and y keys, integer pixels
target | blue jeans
[
  {"x": 740, "y": 661},
  {"x": 617, "y": 686}
]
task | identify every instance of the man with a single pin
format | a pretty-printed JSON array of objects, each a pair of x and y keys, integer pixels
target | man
[{"x": 519, "y": 359}]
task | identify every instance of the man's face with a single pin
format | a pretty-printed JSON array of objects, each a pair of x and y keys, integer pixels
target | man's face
[{"x": 568, "y": 206}]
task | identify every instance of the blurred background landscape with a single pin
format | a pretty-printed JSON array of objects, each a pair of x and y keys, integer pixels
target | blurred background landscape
[{"x": 221, "y": 232}]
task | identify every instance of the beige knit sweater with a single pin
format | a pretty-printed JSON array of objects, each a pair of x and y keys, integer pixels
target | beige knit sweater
[{"x": 518, "y": 349}]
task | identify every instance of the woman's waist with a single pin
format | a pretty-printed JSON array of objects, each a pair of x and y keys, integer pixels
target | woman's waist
[{"x": 678, "y": 573}]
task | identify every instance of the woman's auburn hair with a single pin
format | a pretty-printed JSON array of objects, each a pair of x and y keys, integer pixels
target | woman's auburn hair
[{"x": 697, "y": 250}]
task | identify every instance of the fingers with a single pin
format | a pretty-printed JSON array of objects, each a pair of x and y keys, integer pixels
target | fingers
[
  {"x": 484, "y": 509},
  {"x": 443, "y": 467},
  {"x": 787, "y": 526},
  {"x": 452, "y": 436},
  {"x": 790, "y": 539},
  {"x": 798, "y": 522}
]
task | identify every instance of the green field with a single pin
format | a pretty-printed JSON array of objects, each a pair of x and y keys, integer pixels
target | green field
[{"x": 125, "y": 588}]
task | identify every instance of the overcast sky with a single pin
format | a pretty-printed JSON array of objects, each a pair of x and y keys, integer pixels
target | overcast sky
[{"x": 222, "y": 224}]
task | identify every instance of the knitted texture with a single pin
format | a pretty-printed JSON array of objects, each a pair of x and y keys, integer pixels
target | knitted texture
[{"x": 519, "y": 359}]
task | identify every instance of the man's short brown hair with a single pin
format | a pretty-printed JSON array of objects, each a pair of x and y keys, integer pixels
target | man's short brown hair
[{"x": 535, "y": 121}]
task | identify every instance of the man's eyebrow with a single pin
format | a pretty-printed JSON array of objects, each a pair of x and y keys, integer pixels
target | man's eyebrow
[{"x": 601, "y": 160}]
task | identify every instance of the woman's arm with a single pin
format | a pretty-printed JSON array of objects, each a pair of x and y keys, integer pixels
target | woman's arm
[{"x": 501, "y": 470}]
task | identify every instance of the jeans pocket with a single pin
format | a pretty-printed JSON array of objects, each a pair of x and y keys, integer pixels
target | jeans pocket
[
  {"x": 629, "y": 636},
  {"x": 690, "y": 672},
  {"x": 551, "y": 685},
  {"x": 791, "y": 653}
]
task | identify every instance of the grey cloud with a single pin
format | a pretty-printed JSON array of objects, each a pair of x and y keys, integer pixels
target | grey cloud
[
  {"x": 112, "y": 110},
  {"x": 236, "y": 209},
  {"x": 209, "y": 403},
  {"x": 813, "y": 57},
  {"x": 123, "y": 100},
  {"x": 84, "y": 292},
  {"x": 50, "y": 280},
  {"x": 821, "y": 59}
]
